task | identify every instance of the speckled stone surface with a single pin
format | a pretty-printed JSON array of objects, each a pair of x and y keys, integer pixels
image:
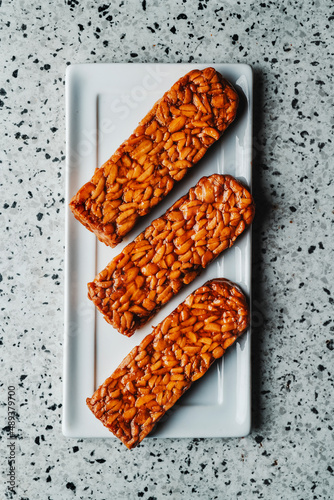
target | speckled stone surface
[{"x": 289, "y": 454}]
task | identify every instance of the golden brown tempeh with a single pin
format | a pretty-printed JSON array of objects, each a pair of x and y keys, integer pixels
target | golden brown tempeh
[
  {"x": 171, "y": 138},
  {"x": 171, "y": 252},
  {"x": 179, "y": 351}
]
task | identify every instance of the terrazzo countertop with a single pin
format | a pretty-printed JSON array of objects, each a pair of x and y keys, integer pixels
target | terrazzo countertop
[{"x": 289, "y": 453}]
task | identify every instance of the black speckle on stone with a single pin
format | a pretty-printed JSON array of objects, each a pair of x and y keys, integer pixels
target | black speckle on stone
[
  {"x": 321, "y": 246},
  {"x": 30, "y": 194},
  {"x": 5, "y": 205},
  {"x": 105, "y": 43},
  {"x": 103, "y": 7},
  {"x": 321, "y": 368},
  {"x": 133, "y": 54},
  {"x": 311, "y": 249},
  {"x": 293, "y": 209},
  {"x": 294, "y": 103},
  {"x": 48, "y": 479},
  {"x": 54, "y": 406},
  {"x": 1, "y": 278},
  {"x": 23, "y": 377},
  {"x": 235, "y": 38},
  {"x": 15, "y": 73},
  {"x": 143, "y": 4},
  {"x": 182, "y": 16},
  {"x": 81, "y": 28},
  {"x": 75, "y": 449},
  {"x": 53, "y": 129},
  {"x": 173, "y": 30},
  {"x": 259, "y": 439},
  {"x": 39, "y": 216},
  {"x": 100, "y": 460},
  {"x": 3, "y": 92},
  {"x": 330, "y": 344},
  {"x": 314, "y": 410},
  {"x": 47, "y": 66},
  {"x": 37, "y": 440},
  {"x": 71, "y": 486},
  {"x": 72, "y": 3},
  {"x": 327, "y": 291}
]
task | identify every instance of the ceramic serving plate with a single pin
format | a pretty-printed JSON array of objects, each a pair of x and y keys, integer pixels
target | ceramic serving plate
[{"x": 104, "y": 103}]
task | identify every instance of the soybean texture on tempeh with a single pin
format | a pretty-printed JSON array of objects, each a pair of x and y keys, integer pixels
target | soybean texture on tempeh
[
  {"x": 172, "y": 137},
  {"x": 179, "y": 351},
  {"x": 171, "y": 252}
]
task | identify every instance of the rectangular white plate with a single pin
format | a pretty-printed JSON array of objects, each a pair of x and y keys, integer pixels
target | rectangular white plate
[{"x": 104, "y": 103}]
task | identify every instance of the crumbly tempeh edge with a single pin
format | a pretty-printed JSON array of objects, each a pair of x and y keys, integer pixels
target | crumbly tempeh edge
[
  {"x": 172, "y": 137},
  {"x": 171, "y": 252},
  {"x": 179, "y": 351}
]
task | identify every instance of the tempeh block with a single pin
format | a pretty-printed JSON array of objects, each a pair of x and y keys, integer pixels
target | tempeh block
[
  {"x": 172, "y": 137},
  {"x": 171, "y": 252},
  {"x": 179, "y": 351}
]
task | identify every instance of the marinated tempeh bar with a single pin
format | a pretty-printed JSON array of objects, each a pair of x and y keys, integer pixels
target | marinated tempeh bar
[
  {"x": 172, "y": 137},
  {"x": 171, "y": 252},
  {"x": 179, "y": 351}
]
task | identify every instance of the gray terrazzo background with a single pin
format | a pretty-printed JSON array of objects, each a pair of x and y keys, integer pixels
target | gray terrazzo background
[{"x": 289, "y": 454}]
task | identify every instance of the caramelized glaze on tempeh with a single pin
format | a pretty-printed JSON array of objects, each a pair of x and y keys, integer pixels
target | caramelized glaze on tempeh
[
  {"x": 172, "y": 137},
  {"x": 171, "y": 252}
]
